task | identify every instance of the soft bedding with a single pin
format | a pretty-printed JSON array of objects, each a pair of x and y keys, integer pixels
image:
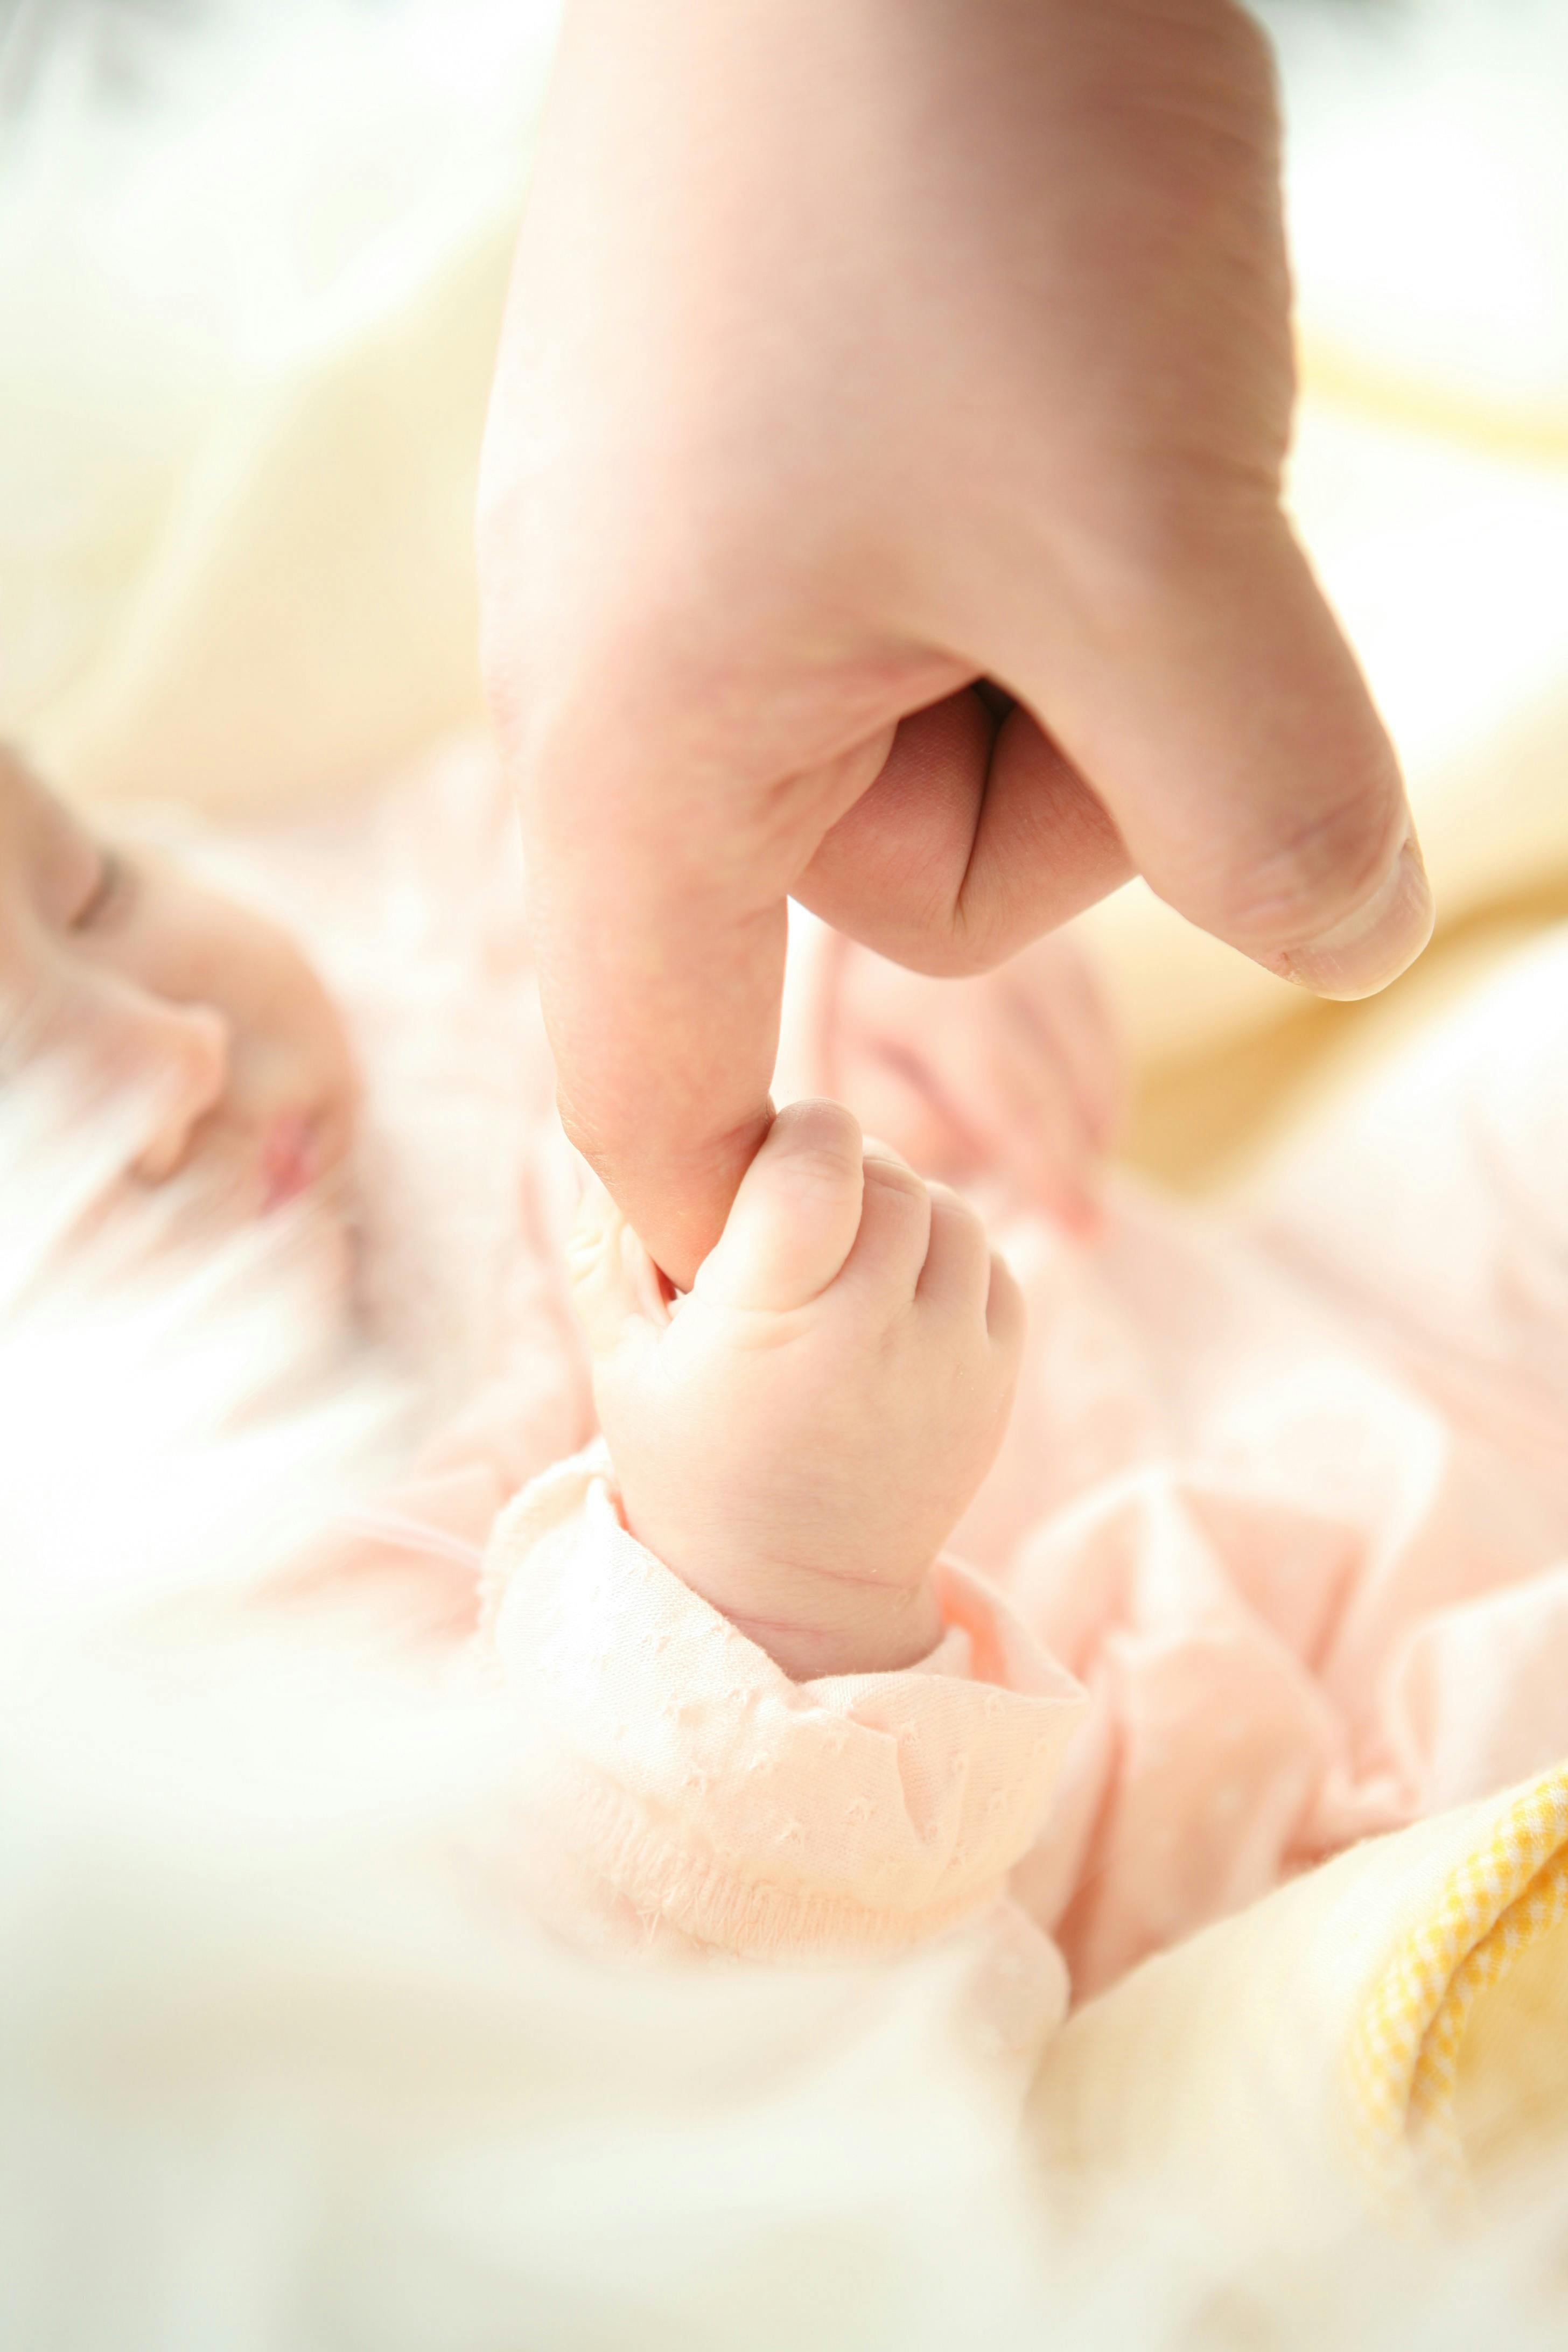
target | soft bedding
[
  {"x": 1294, "y": 1560},
  {"x": 288, "y": 2060}
]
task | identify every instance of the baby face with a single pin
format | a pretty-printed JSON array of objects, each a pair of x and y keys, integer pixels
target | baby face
[
  {"x": 800, "y": 1435},
  {"x": 150, "y": 985}
]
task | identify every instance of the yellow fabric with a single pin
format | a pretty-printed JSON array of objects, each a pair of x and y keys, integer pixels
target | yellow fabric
[
  {"x": 1512, "y": 2092},
  {"x": 1404, "y": 2050}
]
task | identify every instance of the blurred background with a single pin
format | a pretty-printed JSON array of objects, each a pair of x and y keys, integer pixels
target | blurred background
[
  {"x": 252, "y": 259},
  {"x": 281, "y": 2080}
]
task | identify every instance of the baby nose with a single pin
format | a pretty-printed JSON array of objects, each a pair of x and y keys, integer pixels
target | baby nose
[{"x": 184, "y": 1053}]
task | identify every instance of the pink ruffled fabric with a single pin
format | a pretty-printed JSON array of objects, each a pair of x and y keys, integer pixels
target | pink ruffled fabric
[
  {"x": 673, "y": 1781},
  {"x": 1265, "y": 1554}
]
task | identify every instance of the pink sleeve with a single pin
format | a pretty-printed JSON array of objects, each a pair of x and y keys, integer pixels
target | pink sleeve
[{"x": 678, "y": 1789}]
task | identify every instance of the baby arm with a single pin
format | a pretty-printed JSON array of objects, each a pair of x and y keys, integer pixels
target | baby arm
[{"x": 755, "y": 1711}]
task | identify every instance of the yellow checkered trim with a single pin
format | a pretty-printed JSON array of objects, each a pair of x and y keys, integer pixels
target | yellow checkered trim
[{"x": 1403, "y": 2056}]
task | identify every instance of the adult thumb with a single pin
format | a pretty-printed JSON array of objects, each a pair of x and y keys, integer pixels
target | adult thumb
[{"x": 1216, "y": 709}]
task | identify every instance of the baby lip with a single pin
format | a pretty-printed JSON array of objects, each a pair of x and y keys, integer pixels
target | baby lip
[{"x": 290, "y": 1160}]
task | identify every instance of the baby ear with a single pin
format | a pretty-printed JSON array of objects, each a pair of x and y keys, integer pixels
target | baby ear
[
  {"x": 614, "y": 1283},
  {"x": 795, "y": 1216}
]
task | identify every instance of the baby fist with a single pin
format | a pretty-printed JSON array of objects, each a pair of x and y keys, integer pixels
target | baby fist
[{"x": 798, "y": 1436}]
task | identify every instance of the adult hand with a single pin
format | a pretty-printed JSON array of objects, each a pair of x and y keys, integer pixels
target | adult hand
[{"x": 881, "y": 504}]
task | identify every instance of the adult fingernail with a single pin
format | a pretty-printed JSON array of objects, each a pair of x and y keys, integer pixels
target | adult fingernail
[{"x": 1365, "y": 951}]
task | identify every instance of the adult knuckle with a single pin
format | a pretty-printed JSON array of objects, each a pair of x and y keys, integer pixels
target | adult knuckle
[{"x": 952, "y": 948}]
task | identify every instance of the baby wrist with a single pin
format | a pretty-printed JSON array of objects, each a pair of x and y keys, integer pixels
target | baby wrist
[
  {"x": 677, "y": 1791},
  {"x": 810, "y": 1621},
  {"x": 814, "y": 1625}
]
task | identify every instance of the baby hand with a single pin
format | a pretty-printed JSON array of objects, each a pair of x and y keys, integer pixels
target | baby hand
[{"x": 797, "y": 1437}]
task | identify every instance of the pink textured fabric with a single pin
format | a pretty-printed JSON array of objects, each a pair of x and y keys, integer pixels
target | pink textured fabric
[
  {"x": 1286, "y": 1497},
  {"x": 670, "y": 1770}
]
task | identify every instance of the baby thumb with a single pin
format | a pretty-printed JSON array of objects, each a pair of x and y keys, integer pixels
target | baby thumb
[{"x": 794, "y": 1219}]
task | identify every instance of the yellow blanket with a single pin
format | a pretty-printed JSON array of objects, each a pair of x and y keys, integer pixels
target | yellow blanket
[{"x": 1389, "y": 2033}]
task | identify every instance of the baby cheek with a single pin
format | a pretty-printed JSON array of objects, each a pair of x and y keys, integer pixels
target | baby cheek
[
  {"x": 37, "y": 1007},
  {"x": 13, "y": 1000}
]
